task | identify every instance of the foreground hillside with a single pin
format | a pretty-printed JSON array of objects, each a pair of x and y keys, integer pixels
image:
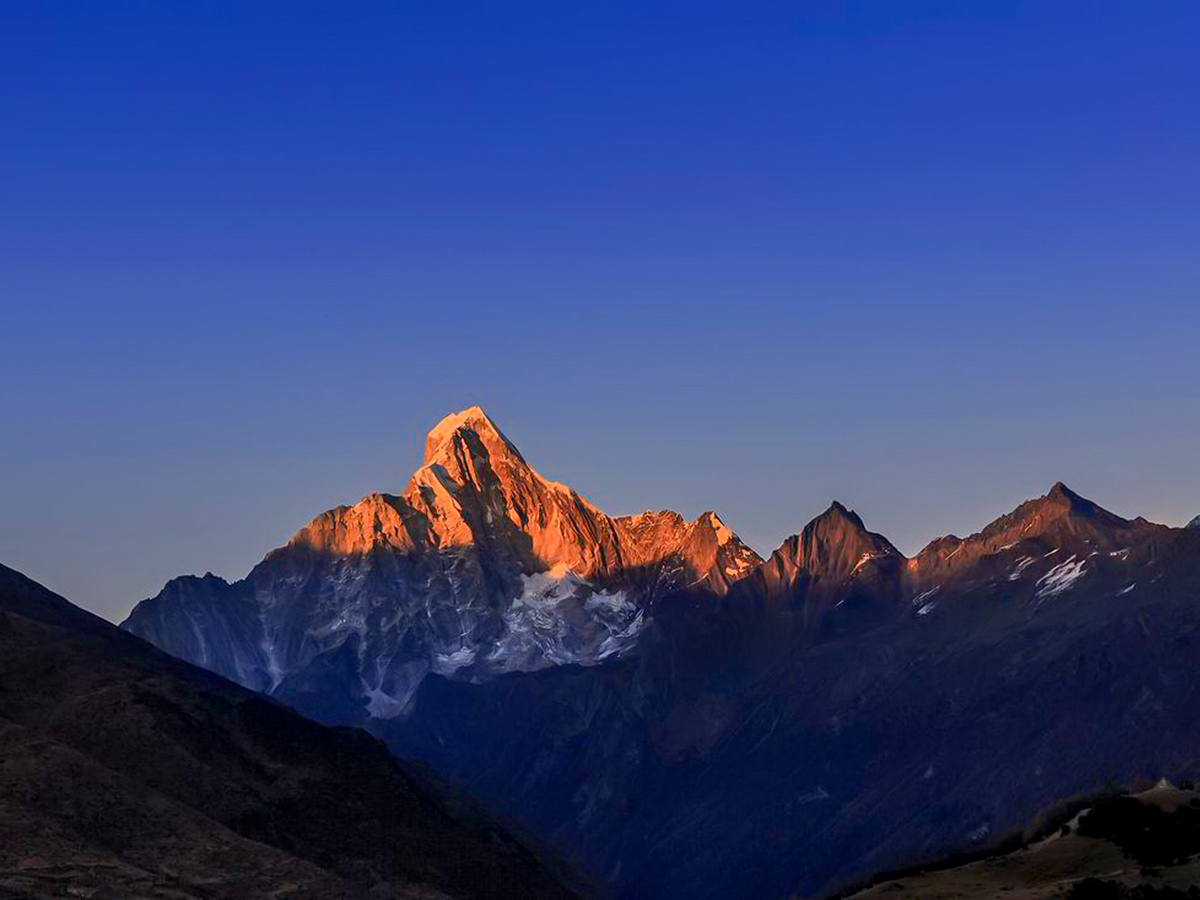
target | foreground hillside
[
  {"x": 689, "y": 720},
  {"x": 1125, "y": 848},
  {"x": 125, "y": 773}
]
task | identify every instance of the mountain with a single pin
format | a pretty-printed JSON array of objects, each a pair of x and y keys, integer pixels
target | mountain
[
  {"x": 126, "y": 773},
  {"x": 481, "y": 566},
  {"x": 835, "y": 571},
  {"x": 687, "y": 720},
  {"x": 1061, "y": 520},
  {"x": 1195, "y": 523}
]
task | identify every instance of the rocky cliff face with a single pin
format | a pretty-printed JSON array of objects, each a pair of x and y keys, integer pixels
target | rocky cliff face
[{"x": 478, "y": 568}]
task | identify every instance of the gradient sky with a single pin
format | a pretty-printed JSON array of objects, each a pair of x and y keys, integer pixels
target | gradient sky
[{"x": 923, "y": 257}]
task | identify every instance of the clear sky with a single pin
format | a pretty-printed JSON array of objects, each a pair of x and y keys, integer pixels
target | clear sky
[{"x": 923, "y": 257}]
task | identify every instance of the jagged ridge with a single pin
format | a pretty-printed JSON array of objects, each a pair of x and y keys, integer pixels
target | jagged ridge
[{"x": 480, "y": 566}]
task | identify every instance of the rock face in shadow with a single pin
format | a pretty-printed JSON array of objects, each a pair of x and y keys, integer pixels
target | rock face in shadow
[
  {"x": 126, "y": 773},
  {"x": 687, "y": 720}
]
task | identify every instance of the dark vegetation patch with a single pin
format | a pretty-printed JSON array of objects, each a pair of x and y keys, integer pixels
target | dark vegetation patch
[{"x": 1145, "y": 833}]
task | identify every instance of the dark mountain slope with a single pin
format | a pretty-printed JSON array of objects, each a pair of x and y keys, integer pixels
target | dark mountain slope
[
  {"x": 130, "y": 772},
  {"x": 1061, "y": 521},
  {"x": 835, "y": 572},
  {"x": 800, "y": 759}
]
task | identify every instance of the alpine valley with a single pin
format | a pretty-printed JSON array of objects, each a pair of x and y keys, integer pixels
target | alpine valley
[{"x": 680, "y": 718}]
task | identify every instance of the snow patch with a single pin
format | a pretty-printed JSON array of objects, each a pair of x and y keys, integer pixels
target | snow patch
[
  {"x": 1022, "y": 564},
  {"x": 618, "y": 642},
  {"x": 814, "y": 796},
  {"x": 863, "y": 560},
  {"x": 449, "y": 663},
  {"x": 1061, "y": 578},
  {"x": 922, "y": 598},
  {"x": 561, "y": 619},
  {"x": 384, "y": 706}
]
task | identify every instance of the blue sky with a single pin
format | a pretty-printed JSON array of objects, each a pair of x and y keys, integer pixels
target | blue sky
[{"x": 924, "y": 257}]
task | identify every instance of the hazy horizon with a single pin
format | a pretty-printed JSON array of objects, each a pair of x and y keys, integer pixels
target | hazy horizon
[{"x": 921, "y": 259}]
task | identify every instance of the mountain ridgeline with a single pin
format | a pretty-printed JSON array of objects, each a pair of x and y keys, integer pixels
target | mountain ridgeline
[
  {"x": 479, "y": 567},
  {"x": 684, "y": 719}
]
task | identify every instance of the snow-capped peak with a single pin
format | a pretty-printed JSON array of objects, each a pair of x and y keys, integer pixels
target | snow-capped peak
[{"x": 472, "y": 419}]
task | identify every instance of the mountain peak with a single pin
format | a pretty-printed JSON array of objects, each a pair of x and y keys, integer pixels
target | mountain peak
[
  {"x": 1062, "y": 495},
  {"x": 722, "y": 531},
  {"x": 1058, "y": 489},
  {"x": 840, "y": 524},
  {"x": 473, "y": 420},
  {"x": 1059, "y": 518},
  {"x": 837, "y": 512},
  {"x": 831, "y": 550},
  {"x": 835, "y": 545},
  {"x": 1066, "y": 502}
]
